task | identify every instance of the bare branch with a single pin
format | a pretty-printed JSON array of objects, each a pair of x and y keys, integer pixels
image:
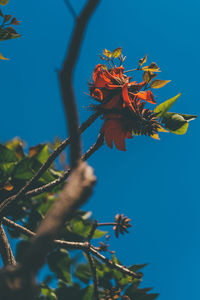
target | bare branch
[
  {"x": 92, "y": 231},
  {"x": 110, "y": 263},
  {"x": 66, "y": 75},
  {"x": 5, "y": 249},
  {"x": 85, "y": 246},
  {"x": 94, "y": 275}
]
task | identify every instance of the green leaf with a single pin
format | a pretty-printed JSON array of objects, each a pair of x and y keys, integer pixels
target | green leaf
[
  {"x": 7, "y": 168},
  {"x": 8, "y": 33},
  {"x": 156, "y": 84},
  {"x": 59, "y": 262},
  {"x": 107, "y": 53},
  {"x": 83, "y": 273},
  {"x": 24, "y": 169},
  {"x": 89, "y": 293},
  {"x": 43, "y": 154},
  {"x": 142, "y": 60},
  {"x": 135, "y": 268},
  {"x": 49, "y": 293},
  {"x": 162, "y": 108},
  {"x": 83, "y": 229},
  {"x": 45, "y": 206},
  {"x": 175, "y": 123},
  {"x": 185, "y": 116},
  {"x": 4, "y": 2},
  {"x": 7, "y": 155},
  {"x": 116, "y": 53}
]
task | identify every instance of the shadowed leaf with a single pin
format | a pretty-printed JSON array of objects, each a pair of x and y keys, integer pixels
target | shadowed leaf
[
  {"x": 151, "y": 68},
  {"x": 175, "y": 123},
  {"x": 8, "y": 33},
  {"x": 83, "y": 273},
  {"x": 59, "y": 262},
  {"x": 156, "y": 84},
  {"x": 143, "y": 60},
  {"x": 89, "y": 293}
]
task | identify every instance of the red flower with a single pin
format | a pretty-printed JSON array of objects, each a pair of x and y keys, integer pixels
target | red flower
[
  {"x": 122, "y": 106},
  {"x": 113, "y": 84},
  {"x": 114, "y": 131}
]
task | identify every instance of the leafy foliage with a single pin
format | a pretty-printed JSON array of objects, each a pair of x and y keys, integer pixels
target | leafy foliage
[{"x": 73, "y": 276}]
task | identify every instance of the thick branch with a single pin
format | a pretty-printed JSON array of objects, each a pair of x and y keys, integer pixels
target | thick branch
[
  {"x": 5, "y": 249},
  {"x": 66, "y": 75},
  {"x": 75, "y": 193}
]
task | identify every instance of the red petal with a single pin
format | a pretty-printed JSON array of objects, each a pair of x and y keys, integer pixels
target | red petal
[
  {"x": 100, "y": 77},
  {"x": 113, "y": 131},
  {"x": 126, "y": 96},
  {"x": 147, "y": 96}
]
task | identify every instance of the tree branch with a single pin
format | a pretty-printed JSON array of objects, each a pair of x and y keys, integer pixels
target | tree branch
[
  {"x": 66, "y": 75},
  {"x": 94, "y": 275},
  {"x": 5, "y": 249},
  {"x": 76, "y": 191},
  {"x": 85, "y": 246},
  {"x": 22, "y": 193},
  {"x": 110, "y": 263},
  {"x": 47, "y": 187}
]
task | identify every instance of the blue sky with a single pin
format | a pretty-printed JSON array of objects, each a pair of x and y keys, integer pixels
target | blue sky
[{"x": 155, "y": 183}]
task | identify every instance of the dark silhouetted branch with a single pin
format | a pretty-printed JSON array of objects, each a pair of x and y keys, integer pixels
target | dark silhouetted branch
[{"x": 66, "y": 75}]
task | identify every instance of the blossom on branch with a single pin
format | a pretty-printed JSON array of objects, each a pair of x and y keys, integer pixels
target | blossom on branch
[{"x": 122, "y": 101}]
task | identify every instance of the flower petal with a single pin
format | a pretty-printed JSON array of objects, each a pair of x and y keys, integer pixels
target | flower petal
[
  {"x": 125, "y": 96},
  {"x": 146, "y": 96},
  {"x": 113, "y": 131}
]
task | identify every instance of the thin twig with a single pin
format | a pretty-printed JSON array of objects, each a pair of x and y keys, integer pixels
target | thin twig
[
  {"x": 131, "y": 70},
  {"x": 66, "y": 75},
  {"x": 5, "y": 249},
  {"x": 29, "y": 233},
  {"x": 114, "y": 265},
  {"x": 94, "y": 275},
  {"x": 47, "y": 187},
  {"x": 85, "y": 246},
  {"x": 106, "y": 224},
  {"x": 92, "y": 231},
  {"x": 71, "y": 9}
]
